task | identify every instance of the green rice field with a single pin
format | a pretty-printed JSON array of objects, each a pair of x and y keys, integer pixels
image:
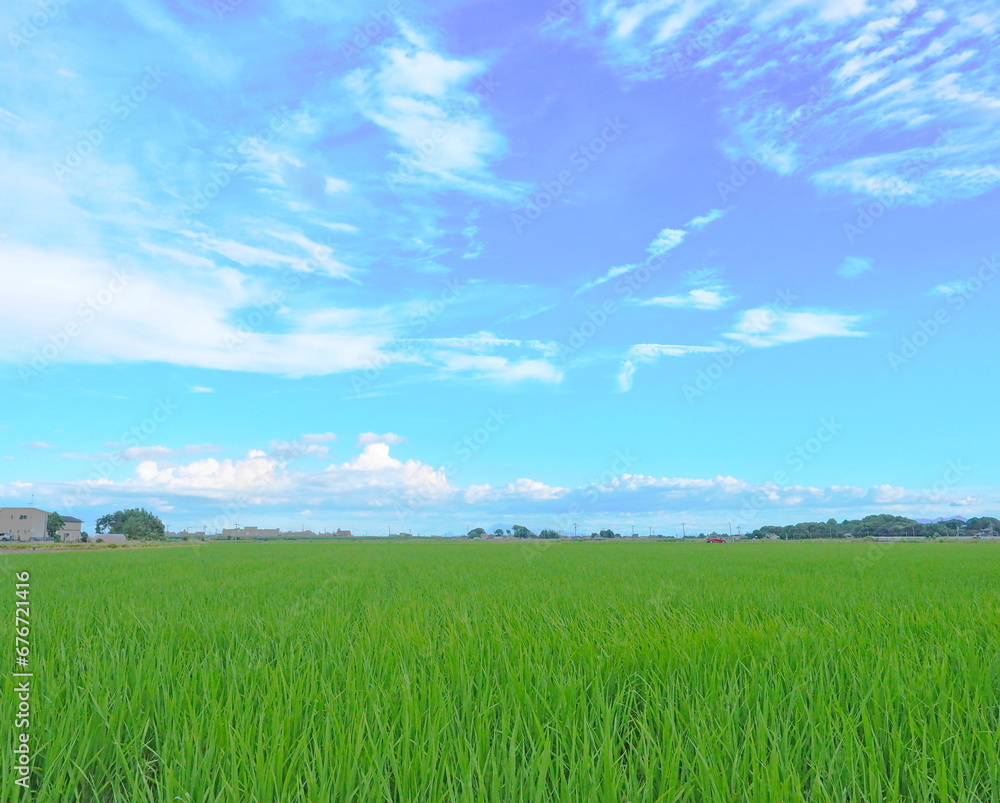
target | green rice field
[{"x": 623, "y": 672}]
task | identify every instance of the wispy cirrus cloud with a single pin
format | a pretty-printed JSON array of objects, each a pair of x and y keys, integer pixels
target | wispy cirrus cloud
[
  {"x": 423, "y": 100},
  {"x": 874, "y": 85},
  {"x": 703, "y": 298},
  {"x": 764, "y": 326},
  {"x": 664, "y": 242}
]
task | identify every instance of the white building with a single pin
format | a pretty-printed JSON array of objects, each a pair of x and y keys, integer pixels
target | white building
[
  {"x": 31, "y": 523},
  {"x": 71, "y": 529},
  {"x": 23, "y": 523}
]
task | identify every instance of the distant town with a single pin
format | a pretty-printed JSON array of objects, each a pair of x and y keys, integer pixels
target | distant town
[{"x": 138, "y": 524}]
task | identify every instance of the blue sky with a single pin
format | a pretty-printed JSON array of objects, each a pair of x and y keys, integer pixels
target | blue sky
[{"x": 428, "y": 266}]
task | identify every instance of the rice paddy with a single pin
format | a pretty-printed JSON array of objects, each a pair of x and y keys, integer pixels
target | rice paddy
[{"x": 626, "y": 672}]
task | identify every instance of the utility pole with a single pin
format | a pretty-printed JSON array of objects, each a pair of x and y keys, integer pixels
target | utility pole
[
  {"x": 650, "y": 532},
  {"x": 633, "y": 531},
  {"x": 730, "y": 529},
  {"x": 574, "y": 529},
  {"x": 683, "y": 532}
]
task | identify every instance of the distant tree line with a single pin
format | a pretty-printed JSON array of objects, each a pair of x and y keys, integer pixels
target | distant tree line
[
  {"x": 519, "y": 531},
  {"x": 880, "y": 525}
]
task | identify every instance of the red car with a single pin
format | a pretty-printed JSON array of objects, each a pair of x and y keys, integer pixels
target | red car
[{"x": 715, "y": 540}]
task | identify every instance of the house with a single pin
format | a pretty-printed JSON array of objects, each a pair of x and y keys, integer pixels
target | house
[
  {"x": 71, "y": 529},
  {"x": 344, "y": 534},
  {"x": 23, "y": 523}
]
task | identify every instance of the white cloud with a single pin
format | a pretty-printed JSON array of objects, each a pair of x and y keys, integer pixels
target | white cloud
[
  {"x": 855, "y": 266},
  {"x": 293, "y": 450},
  {"x": 607, "y": 277},
  {"x": 666, "y": 240},
  {"x": 146, "y": 452},
  {"x": 522, "y": 489},
  {"x": 649, "y": 353},
  {"x": 420, "y": 98},
  {"x": 390, "y": 438},
  {"x": 256, "y": 473},
  {"x": 705, "y": 298},
  {"x": 124, "y": 320},
  {"x": 701, "y": 221},
  {"x": 765, "y": 326},
  {"x": 956, "y": 288},
  {"x": 200, "y": 389},
  {"x": 37, "y": 445},
  {"x": 875, "y": 84},
  {"x": 502, "y": 369}
]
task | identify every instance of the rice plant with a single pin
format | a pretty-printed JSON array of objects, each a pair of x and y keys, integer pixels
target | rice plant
[{"x": 470, "y": 672}]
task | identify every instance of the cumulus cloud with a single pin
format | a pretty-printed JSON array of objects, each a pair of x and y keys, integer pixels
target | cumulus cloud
[
  {"x": 255, "y": 473},
  {"x": 374, "y": 480}
]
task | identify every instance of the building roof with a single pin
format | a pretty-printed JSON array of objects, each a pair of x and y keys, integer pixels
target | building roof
[{"x": 72, "y": 520}]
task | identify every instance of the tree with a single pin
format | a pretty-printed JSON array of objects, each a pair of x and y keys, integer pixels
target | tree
[
  {"x": 132, "y": 523},
  {"x": 498, "y": 532},
  {"x": 53, "y": 525},
  {"x": 479, "y": 532},
  {"x": 548, "y": 534},
  {"x": 84, "y": 537},
  {"x": 522, "y": 532}
]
